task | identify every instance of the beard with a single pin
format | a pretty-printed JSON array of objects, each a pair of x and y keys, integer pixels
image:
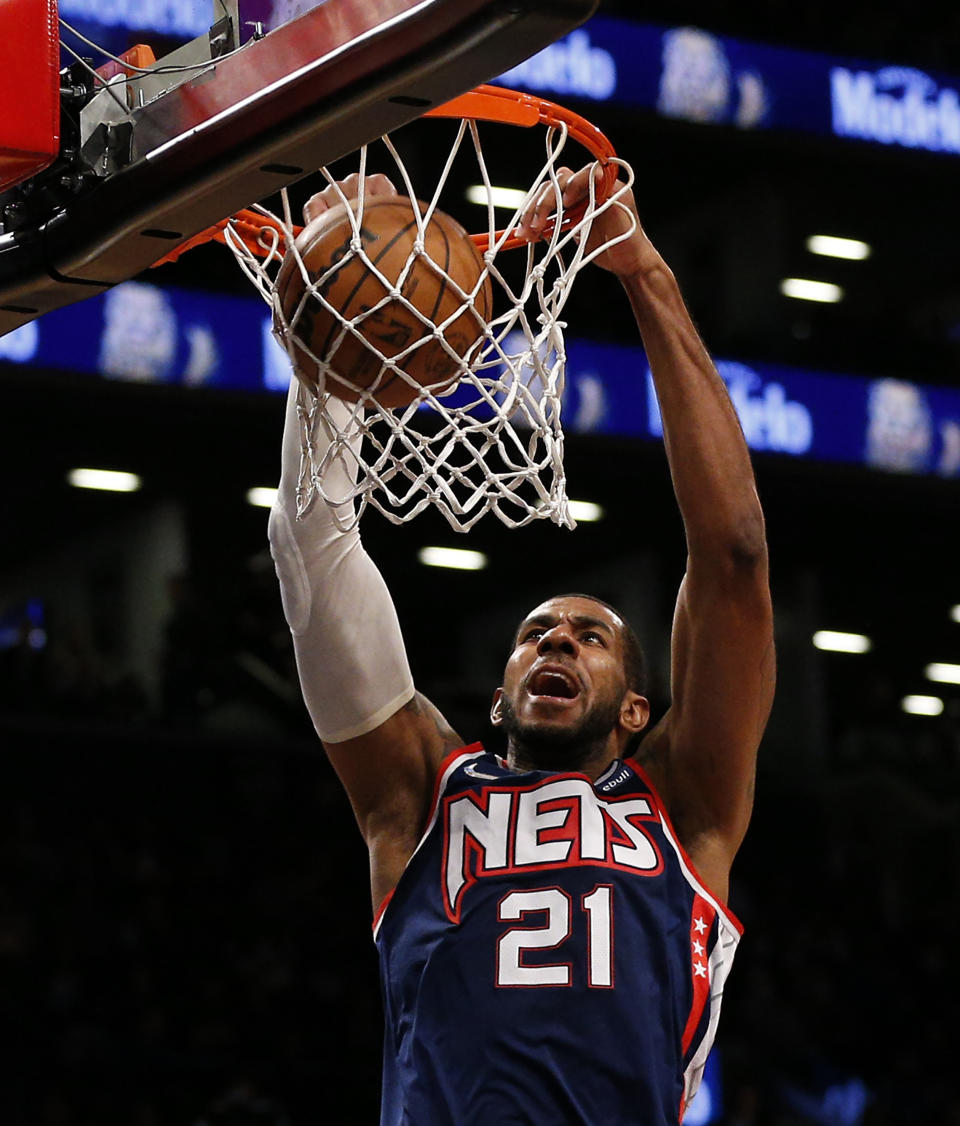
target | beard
[{"x": 545, "y": 747}]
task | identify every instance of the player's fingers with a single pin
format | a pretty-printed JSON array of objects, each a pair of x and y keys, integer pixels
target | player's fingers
[
  {"x": 331, "y": 196},
  {"x": 542, "y": 206},
  {"x": 526, "y": 219},
  {"x": 576, "y": 187},
  {"x": 379, "y": 185},
  {"x": 547, "y": 204},
  {"x": 322, "y": 201},
  {"x": 347, "y": 188}
]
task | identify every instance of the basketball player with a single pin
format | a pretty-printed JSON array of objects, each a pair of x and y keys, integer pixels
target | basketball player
[{"x": 551, "y": 921}]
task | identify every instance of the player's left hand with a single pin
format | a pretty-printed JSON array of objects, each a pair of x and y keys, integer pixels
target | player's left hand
[
  {"x": 632, "y": 254},
  {"x": 332, "y": 196}
]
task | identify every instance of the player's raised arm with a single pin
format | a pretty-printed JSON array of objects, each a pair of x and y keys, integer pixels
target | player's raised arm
[
  {"x": 383, "y": 739},
  {"x": 703, "y": 753}
]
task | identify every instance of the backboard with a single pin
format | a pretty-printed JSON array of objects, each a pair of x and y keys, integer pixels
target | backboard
[{"x": 274, "y": 89}]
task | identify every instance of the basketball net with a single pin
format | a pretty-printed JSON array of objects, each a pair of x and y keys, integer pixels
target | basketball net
[{"x": 492, "y": 440}]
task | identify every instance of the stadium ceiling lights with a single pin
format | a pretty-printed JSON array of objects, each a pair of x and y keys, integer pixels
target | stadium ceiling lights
[
  {"x": 107, "y": 480},
  {"x": 835, "y": 641},
  {"x": 507, "y": 198},
  {"x": 805, "y": 289},
  {"x": 943, "y": 673},
  {"x": 922, "y": 705},
  {"x": 261, "y": 496},
  {"x": 831, "y": 246},
  {"x": 456, "y": 558},
  {"x": 585, "y": 511}
]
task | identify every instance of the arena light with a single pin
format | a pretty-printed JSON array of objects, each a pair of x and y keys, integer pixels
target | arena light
[
  {"x": 108, "y": 480},
  {"x": 456, "y": 558},
  {"x": 835, "y": 641},
  {"x": 943, "y": 673},
  {"x": 260, "y": 496},
  {"x": 507, "y": 198},
  {"x": 830, "y": 246},
  {"x": 804, "y": 289},
  {"x": 585, "y": 511},
  {"x": 922, "y": 705},
  {"x": 955, "y": 613}
]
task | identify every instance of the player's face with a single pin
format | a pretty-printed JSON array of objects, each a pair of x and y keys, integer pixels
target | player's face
[{"x": 564, "y": 684}]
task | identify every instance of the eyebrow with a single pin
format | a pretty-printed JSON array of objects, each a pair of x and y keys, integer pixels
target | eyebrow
[{"x": 580, "y": 621}]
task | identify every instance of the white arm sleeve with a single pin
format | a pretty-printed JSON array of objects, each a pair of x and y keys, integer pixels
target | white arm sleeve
[{"x": 350, "y": 654}]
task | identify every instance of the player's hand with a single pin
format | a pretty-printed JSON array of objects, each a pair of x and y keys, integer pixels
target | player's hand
[
  {"x": 375, "y": 185},
  {"x": 632, "y": 254}
]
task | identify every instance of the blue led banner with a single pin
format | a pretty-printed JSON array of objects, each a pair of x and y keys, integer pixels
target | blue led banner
[
  {"x": 882, "y": 423},
  {"x": 139, "y": 332},
  {"x": 180, "y": 18},
  {"x": 678, "y": 72},
  {"x": 169, "y": 17},
  {"x": 116, "y": 25},
  {"x": 164, "y": 24},
  {"x": 696, "y": 76}
]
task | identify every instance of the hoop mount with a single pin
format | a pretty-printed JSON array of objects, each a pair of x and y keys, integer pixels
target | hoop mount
[{"x": 309, "y": 92}]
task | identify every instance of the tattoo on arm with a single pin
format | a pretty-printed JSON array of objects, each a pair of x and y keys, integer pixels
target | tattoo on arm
[{"x": 421, "y": 706}]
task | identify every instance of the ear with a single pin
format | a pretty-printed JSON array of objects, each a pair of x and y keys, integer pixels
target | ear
[
  {"x": 634, "y": 712},
  {"x": 496, "y": 708}
]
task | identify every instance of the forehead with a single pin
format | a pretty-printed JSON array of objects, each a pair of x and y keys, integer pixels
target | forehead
[{"x": 577, "y": 611}]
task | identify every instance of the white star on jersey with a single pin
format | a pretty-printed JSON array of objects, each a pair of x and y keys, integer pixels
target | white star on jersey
[
  {"x": 699, "y": 969},
  {"x": 698, "y": 947},
  {"x": 699, "y": 925}
]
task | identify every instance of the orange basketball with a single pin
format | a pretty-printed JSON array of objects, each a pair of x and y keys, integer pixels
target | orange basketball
[{"x": 388, "y": 231}]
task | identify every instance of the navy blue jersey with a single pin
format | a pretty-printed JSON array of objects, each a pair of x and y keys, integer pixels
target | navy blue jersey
[{"x": 549, "y": 955}]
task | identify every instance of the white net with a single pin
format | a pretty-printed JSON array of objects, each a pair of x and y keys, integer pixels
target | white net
[{"x": 489, "y": 439}]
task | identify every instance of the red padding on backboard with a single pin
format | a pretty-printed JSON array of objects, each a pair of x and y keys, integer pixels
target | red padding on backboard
[{"x": 29, "y": 88}]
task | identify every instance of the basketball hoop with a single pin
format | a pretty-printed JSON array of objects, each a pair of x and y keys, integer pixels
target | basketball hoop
[{"x": 492, "y": 439}]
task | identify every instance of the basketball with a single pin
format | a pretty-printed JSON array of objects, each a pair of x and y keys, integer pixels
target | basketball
[{"x": 385, "y": 325}]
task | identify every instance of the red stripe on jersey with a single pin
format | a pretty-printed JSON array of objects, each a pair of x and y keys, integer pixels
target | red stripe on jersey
[
  {"x": 380, "y": 910},
  {"x": 702, "y": 918}
]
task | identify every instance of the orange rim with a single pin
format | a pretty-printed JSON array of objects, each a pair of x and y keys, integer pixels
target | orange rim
[
  {"x": 485, "y": 103},
  {"x": 511, "y": 107}
]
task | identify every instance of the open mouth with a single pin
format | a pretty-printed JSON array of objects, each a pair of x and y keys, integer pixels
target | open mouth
[{"x": 555, "y": 684}]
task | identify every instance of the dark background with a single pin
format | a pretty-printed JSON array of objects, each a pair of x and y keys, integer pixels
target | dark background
[{"x": 183, "y": 901}]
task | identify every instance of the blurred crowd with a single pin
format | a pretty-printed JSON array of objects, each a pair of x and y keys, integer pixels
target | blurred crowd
[
  {"x": 225, "y": 665},
  {"x": 184, "y": 938},
  {"x": 184, "y": 934},
  {"x": 224, "y": 662}
]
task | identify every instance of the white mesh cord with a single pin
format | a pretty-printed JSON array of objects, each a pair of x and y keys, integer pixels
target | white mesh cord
[{"x": 489, "y": 441}]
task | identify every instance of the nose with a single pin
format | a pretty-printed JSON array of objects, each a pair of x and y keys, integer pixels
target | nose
[{"x": 558, "y": 638}]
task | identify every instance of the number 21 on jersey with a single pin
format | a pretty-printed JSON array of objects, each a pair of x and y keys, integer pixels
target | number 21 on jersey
[{"x": 556, "y": 906}]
